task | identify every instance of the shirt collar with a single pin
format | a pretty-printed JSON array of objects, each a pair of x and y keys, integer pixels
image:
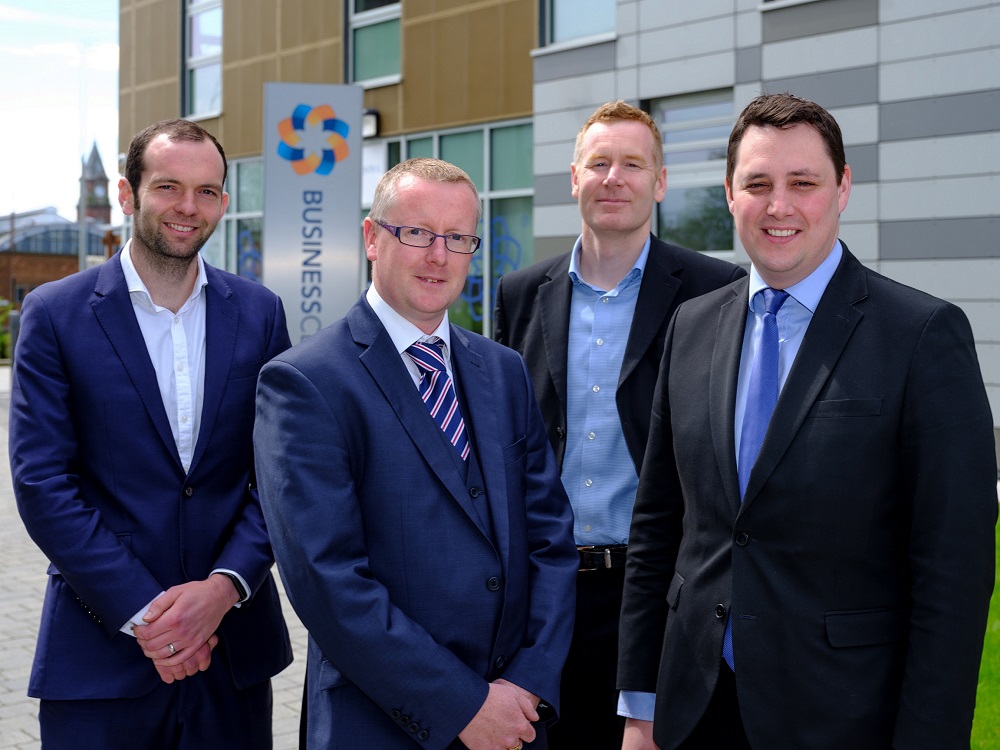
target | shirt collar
[
  {"x": 808, "y": 291},
  {"x": 136, "y": 286},
  {"x": 631, "y": 277},
  {"x": 402, "y": 332}
]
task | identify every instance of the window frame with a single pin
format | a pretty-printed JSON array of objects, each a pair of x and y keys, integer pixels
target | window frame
[
  {"x": 192, "y": 63},
  {"x": 367, "y": 18}
]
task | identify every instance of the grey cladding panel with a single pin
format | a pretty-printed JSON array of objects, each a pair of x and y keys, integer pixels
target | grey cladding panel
[
  {"x": 811, "y": 19},
  {"x": 940, "y": 239},
  {"x": 978, "y": 112},
  {"x": 553, "y": 189},
  {"x": 578, "y": 61},
  {"x": 839, "y": 88}
]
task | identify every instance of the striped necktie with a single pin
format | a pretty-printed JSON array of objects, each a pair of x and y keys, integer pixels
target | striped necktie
[{"x": 438, "y": 392}]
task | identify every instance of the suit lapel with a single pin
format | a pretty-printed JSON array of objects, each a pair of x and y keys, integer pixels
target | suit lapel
[
  {"x": 656, "y": 296},
  {"x": 554, "y": 298},
  {"x": 221, "y": 325},
  {"x": 835, "y": 319},
  {"x": 725, "y": 372},
  {"x": 113, "y": 309},
  {"x": 386, "y": 368}
]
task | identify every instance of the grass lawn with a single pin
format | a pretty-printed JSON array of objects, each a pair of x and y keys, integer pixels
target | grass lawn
[{"x": 986, "y": 726}]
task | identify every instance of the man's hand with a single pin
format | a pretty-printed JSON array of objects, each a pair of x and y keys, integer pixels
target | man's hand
[
  {"x": 182, "y": 622},
  {"x": 638, "y": 735},
  {"x": 503, "y": 721},
  {"x": 179, "y": 666}
]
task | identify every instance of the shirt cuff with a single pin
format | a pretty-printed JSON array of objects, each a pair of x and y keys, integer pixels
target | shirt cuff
[
  {"x": 244, "y": 592},
  {"x": 136, "y": 619},
  {"x": 635, "y": 705}
]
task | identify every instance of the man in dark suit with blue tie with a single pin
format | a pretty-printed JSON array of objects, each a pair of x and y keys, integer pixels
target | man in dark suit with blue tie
[
  {"x": 131, "y": 419},
  {"x": 414, "y": 503},
  {"x": 812, "y": 546}
]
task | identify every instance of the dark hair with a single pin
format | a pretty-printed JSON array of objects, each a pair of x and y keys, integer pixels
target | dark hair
[
  {"x": 783, "y": 111},
  {"x": 620, "y": 111},
  {"x": 175, "y": 130}
]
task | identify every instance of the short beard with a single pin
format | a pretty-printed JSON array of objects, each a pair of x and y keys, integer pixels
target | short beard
[{"x": 157, "y": 250}]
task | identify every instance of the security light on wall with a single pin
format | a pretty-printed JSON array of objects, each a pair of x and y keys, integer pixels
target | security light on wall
[{"x": 369, "y": 123}]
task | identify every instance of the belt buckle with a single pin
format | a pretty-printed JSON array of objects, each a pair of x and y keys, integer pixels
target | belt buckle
[{"x": 607, "y": 558}]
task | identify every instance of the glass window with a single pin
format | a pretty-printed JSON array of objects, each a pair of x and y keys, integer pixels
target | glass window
[
  {"x": 574, "y": 19},
  {"x": 511, "y": 158},
  {"x": 375, "y": 41},
  {"x": 360, "y": 6},
  {"x": 695, "y": 131},
  {"x": 249, "y": 186},
  {"x": 420, "y": 147},
  {"x": 203, "y": 58},
  {"x": 466, "y": 151},
  {"x": 204, "y": 94}
]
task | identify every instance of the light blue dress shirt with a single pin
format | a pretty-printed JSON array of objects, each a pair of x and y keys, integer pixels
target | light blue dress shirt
[
  {"x": 794, "y": 317},
  {"x": 597, "y": 472}
]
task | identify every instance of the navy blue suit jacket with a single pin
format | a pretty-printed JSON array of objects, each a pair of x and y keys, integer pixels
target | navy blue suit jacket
[
  {"x": 416, "y": 592},
  {"x": 102, "y": 491}
]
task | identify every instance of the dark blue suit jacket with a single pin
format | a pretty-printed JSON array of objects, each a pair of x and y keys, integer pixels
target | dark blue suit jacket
[
  {"x": 101, "y": 489},
  {"x": 858, "y": 568},
  {"x": 416, "y": 592}
]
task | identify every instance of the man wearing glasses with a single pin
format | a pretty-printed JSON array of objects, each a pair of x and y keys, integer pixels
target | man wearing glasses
[{"x": 413, "y": 501}]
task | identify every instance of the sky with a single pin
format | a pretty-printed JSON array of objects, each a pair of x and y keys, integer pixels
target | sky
[{"x": 58, "y": 96}]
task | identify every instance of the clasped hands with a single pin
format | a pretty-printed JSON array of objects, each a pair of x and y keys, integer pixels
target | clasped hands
[
  {"x": 504, "y": 719},
  {"x": 179, "y": 633}
]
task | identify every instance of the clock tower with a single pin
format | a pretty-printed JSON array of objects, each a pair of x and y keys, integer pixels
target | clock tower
[{"x": 97, "y": 204}]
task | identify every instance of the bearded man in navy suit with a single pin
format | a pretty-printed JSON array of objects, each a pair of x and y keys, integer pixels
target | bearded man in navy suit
[{"x": 130, "y": 443}]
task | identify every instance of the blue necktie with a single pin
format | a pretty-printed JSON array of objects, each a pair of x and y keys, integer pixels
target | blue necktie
[
  {"x": 762, "y": 395},
  {"x": 438, "y": 392}
]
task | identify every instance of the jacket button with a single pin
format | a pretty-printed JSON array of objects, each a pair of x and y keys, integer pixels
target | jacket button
[
  {"x": 475, "y": 492},
  {"x": 720, "y": 611},
  {"x": 742, "y": 539},
  {"x": 394, "y": 714},
  {"x": 413, "y": 727},
  {"x": 422, "y": 735},
  {"x": 493, "y": 584},
  {"x": 500, "y": 662},
  {"x": 188, "y": 491},
  {"x": 404, "y": 719}
]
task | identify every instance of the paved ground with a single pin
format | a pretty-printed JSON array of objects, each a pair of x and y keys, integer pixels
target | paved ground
[{"x": 22, "y": 581}]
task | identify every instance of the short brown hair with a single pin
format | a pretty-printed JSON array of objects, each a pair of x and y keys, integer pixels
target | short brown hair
[
  {"x": 783, "y": 111},
  {"x": 175, "y": 130},
  {"x": 432, "y": 170},
  {"x": 620, "y": 111}
]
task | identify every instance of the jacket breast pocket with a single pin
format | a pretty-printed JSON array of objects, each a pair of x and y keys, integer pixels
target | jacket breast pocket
[
  {"x": 249, "y": 370},
  {"x": 846, "y": 407},
  {"x": 865, "y": 627}
]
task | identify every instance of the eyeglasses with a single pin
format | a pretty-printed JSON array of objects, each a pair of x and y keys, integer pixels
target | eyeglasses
[{"x": 466, "y": 244}]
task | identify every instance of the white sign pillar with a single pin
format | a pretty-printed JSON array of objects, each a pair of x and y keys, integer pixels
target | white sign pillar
[{"x": 312, "y": 254}]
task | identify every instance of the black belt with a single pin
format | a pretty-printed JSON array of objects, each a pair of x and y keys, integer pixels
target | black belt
[{"x": 602, "y": 556}]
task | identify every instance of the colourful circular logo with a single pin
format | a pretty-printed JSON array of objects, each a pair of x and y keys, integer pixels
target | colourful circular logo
[{"x": 290, "y": 147}]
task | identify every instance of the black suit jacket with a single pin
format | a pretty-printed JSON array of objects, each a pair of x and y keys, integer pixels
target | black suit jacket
[
  {"x": 532, "y": 316},
  {"x": 858, "y": 569}
]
